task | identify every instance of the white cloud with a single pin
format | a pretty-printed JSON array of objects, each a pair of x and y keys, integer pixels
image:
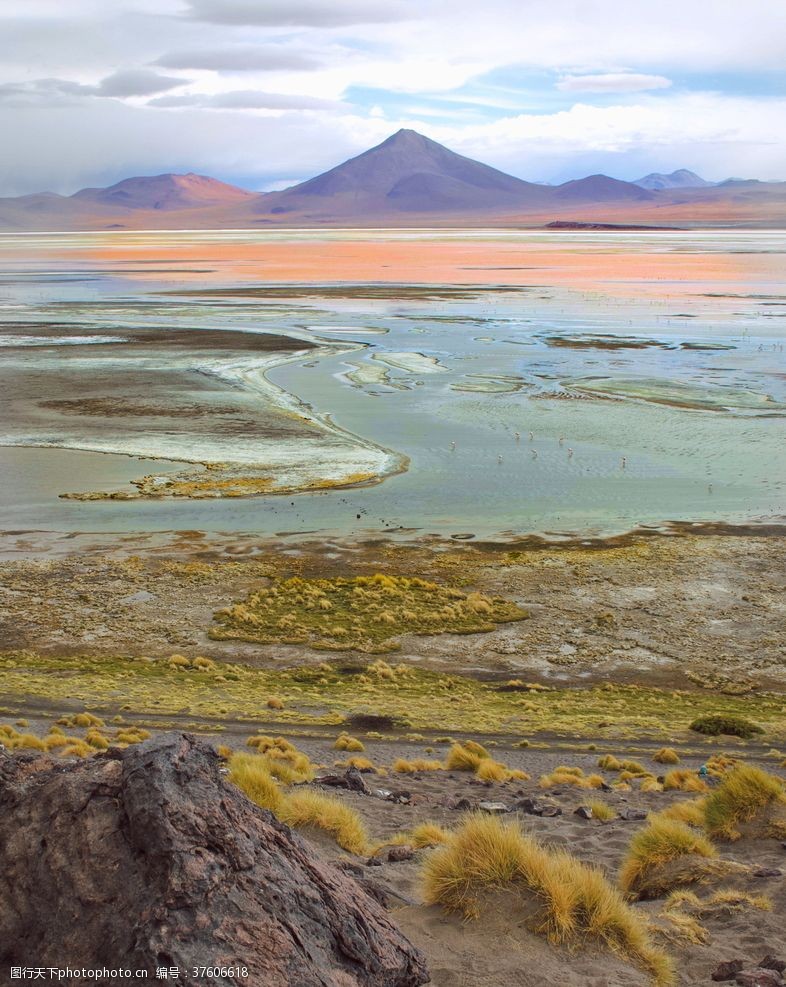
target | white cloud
[{"x": 612, "y": 82}]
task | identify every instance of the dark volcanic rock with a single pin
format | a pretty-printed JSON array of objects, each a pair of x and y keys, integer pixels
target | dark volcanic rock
[
  {"x": 147, "y": 858},
  {"x": 759, "y": 978},
  {"x": 727, "y": 970}
]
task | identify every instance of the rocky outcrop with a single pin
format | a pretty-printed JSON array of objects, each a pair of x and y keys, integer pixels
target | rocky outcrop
[{"x": 146, "y": 858}]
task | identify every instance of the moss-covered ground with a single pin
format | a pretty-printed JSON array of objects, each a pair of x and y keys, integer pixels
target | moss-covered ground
[
  {"x": 364, "y": 613},
  {"x": 202, "y": 693}
]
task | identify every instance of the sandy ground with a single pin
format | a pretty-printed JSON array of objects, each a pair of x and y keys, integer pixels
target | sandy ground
[{"x": 667, "y": 611}]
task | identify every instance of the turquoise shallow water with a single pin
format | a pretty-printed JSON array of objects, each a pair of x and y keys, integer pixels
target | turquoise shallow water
[{"x": 629, "y": 410}]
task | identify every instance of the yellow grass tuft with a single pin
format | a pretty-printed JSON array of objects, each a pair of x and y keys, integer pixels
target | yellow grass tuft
[
  {"x": 666, "y": 755},
  {"x": 486, "y": 855},
  {"x": 743, "y": 794},
  {"x": 601, "y": 810},
  {"x": 490, "y": 770},
  {"x": 683, "y": 780},
  {"x": 305, "y": 808},
  {"x": 659, "y": 842},
  {"x": 609, "y": 763},
  {"x": 428, "y": 834},
  {"x": 405, "y": 767},
  {"x": 346, "y": 743},
  {"x": 465, "y": 757},
  {"x": 275, "y": 703},
  {"x": 250, "y": 773},
  {"x": 691, "y": 811}
]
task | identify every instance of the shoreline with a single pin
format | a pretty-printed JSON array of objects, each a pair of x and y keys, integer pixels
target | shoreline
[{"x": 238, "y": 478}]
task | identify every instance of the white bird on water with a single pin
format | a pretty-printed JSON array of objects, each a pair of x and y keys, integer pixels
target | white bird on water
[
  {"x": 570, "y": 453},
  {"x": 623, "y": 462},
  {"x": 452, "y": 445},
  {"x": 531, "y": 436},
  {"x": 534, "y": 454},
  {"x": 517, "y": 435}
]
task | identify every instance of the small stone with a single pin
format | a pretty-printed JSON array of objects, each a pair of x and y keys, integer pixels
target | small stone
[
  {"x": 373, "y": 862},
  {"x": 356, "y": 782},
  {"x": 759, "y": 978},
  {"x": 494, "y": 808},
  {"x": 633, "y": 815},
  {"x": 538, "y": 807},
  {"x": 462, "y": 805},
  {"x": 727, "y": 970},
  {"x": 583, "y": 812},
  {"x": 771, "y": 962},
  {"x": 396, "y": 854},
  {"x": 768, "y": 872}
]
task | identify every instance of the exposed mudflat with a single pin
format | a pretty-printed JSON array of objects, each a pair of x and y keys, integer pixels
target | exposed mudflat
[{"x": 676, "y": 611}]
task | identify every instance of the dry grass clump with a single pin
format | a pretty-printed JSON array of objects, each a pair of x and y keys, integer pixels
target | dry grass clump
[
  {"x": 567, "y": 776},
  {"x": 601, "y": 810},
  {"x": 131, "y": 735},
  {"x": 682, "y": 780},
  {"x": 306, "y": 808},
  {"x": 179, "y": 663},
  {"x": 666, "y": 755},
  {"x": 745, "y": 794},
  {"x": 250, "y": 773},
  {"x": 275, "y": 702},
  {"x": 282, "y": 759},
  {"x": 421, "y": 837},
  {"x": 609, "y": 763},
  {"x": 471, "y": 756},
  {"x": 487, "y": 855},
  {"x": 364, "y": 613},
  {"x": 466, "y": 756},
  {"x": 404, "y": 767},
  {"x": 81, "y": 720},
  {"x": 27, "y": 741},
  {"x": 650, "y": 785},
  {"x": 690, "y": 811},
  {"x": 253, "y": 773},
  {"x": 346, "y": 743},
  {"x": 659, "y": 843}
]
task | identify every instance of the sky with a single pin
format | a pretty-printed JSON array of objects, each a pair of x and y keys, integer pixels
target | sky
[{"x": 265, "y": 93}]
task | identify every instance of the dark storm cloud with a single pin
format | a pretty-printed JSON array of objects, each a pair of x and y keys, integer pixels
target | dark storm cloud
[
  {"x": 247, "y": 99},
  {"x": 248, "y": 58},
  {"x": 301, "y": 13},
  {"x": 136, "y": 82}
]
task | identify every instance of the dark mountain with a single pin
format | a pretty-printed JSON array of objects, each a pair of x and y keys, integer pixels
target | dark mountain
[
  {"x": 601, "y": 188},
  {"x": 405, "y": 173},
  {"x": 165, "y": 192},
  {"x": 681, "y": 178}
]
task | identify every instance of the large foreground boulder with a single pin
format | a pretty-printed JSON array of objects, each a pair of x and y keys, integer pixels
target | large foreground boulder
[{"x": 147, "y": 859}]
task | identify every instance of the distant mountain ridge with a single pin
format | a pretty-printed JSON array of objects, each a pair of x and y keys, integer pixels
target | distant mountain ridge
[
  {"x": 407, "y": 180},
  {"x": 681, "y": 178},
  {"x": 165, "y": 192}
]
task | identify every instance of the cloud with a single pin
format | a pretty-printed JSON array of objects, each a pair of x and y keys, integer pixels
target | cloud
[
  {"x": 247, "y": 99},
  {"x": 300, "y": 13},
  {"x": 612, "y": 82},
  {"x": 136, "y": 82},
  {"x": 246, "y": 58}
]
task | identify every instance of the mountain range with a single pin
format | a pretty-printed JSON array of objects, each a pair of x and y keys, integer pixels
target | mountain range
[{"x": 406, "y": 181}]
